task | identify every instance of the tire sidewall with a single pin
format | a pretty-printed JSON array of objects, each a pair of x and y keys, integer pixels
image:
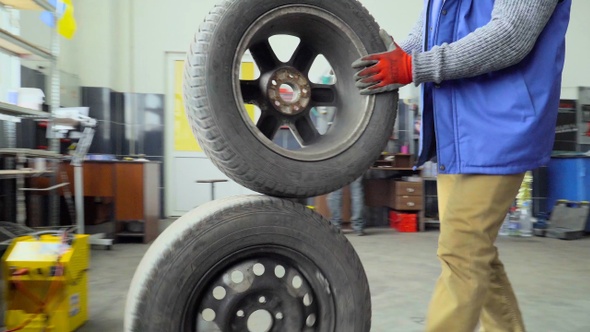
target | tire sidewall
[{"x": 320, "y": 176}]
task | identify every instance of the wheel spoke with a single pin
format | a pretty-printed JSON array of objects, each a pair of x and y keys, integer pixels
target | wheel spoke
[
  {"x": 251, "y": 91},
  {"x": 268, "y": 124},
  {"x": 305, "y": 130},
  {"x": 303, "y": 57},
  {"x": 323, "y": 95},
  {"x": 264, "y": 56}
]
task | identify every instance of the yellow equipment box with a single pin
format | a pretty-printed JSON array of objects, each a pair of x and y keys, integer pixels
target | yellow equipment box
[{"x": 46, "y": 283}]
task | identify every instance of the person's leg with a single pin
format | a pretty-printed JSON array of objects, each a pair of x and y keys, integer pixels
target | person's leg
[
  {"x": 335, "y": 206},
  {"x": 500, "y": 311},
  {"x": 358, "y": 203},
  {"x": 472, "y": 209}
]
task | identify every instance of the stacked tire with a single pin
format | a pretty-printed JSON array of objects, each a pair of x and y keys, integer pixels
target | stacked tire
[{"x": 263, "y": 262}]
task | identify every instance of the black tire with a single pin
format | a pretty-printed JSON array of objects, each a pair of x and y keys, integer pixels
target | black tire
[
  {"x": 243, "y": 150},
  {"x": 202, "y": 250}
]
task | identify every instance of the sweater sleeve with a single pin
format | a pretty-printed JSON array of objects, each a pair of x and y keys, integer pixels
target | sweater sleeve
[
  {"x": 414, "y": 43},
  {"x": 505, "y": 41}
]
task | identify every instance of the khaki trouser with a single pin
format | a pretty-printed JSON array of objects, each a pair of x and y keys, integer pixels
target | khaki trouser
[{"x": 473, "y": 286}]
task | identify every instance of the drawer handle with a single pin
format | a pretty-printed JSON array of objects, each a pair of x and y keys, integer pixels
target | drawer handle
[
  {"x": 411, "y": 204},
  {"x": 410, "y": 190}
]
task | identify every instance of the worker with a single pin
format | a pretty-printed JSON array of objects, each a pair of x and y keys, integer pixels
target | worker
[
  {"x": 491, "y": 79},
  {"x": 357, "y": 200}
]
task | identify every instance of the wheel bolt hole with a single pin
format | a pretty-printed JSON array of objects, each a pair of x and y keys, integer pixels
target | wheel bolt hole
[
  {"x": 237, "y": 277},
  {"x": 310, "y": 321},
  {"x": 297, "y": 282},
  {"x": 279, "y": 271},
  {"x": 208, "y": 315},
  {"x": 240, "y": 313},
  {"x": 219, "y": 293},
  {"x": 307, "y": 300},
  {"x": 258, "y": 269},
  {"x": 274, "y": 82},
  {"x": 279, "y": 315},
  {"x": 278, "y": 103},
  {"x": 262, "y": 300},
  {"x": 260, "y": 321}
]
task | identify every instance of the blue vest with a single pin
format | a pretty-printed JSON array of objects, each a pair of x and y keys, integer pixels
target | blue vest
[{"x": 501, "y": 122}]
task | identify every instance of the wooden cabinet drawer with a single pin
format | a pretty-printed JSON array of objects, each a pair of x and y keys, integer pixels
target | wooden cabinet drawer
[
  {"x": 404, "y": 188},
  {"x": 407, "y": 203}
]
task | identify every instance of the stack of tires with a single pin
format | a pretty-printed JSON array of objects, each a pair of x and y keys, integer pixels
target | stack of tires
[{"x": 265, "y": 262}]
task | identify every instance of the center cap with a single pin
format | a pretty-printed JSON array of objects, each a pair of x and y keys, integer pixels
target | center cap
[{"x": 297, "y": 82}]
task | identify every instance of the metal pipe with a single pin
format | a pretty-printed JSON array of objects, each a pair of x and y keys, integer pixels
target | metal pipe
[{"x": 79, "y": 198}]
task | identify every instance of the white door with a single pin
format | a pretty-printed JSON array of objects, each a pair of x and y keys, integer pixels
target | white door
[{"x": 185, "y": 162}]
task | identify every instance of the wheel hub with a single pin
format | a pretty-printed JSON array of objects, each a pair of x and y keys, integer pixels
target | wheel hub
[
  {"x": 259, "y": 296},
  {"x": 292, "y": 78}
]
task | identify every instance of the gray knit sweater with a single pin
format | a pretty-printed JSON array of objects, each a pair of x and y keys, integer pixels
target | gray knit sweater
[{"x": 504, "y": 41}]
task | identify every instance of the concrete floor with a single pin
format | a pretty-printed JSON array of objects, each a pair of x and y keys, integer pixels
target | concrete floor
[{"x": 551, "y": 278}]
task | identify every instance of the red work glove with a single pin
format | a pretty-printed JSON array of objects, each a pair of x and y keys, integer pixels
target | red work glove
[{"x": 385, "y": 71}]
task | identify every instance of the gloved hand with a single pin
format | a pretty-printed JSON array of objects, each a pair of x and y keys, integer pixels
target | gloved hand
[{"x": 385, "y": 71}]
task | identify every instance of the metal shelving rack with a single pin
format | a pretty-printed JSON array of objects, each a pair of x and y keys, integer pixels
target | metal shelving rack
[
  {"x": 16, "y": 46},
  {"x": 28, "y": 4},
  {"x": 20, "y": 172},
  {"x": 17, "y": 111},
  {"x": 429, "y": 194}
]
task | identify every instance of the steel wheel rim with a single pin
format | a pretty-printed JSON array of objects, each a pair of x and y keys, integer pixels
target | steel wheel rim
[
  {"x": 353, "y": 111},
  {"x": 231, "y": 292}
]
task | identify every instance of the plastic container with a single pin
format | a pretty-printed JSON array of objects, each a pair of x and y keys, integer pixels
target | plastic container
[
  {"x": 514, "y": 224},
  {"x": 568, "y": 179},
  {"x": 568, "y": 220},
  {"x": 540, "y": 225},
  {"x": 393, "y": 219},
  {"x": 13, "y": 97},
  {"x": 403, "y": 222},
  {"x": 504, "y": 229},
  {"x": 31, "y": 98},
  {"x": 405, "y": 148},
  {"x": 526, "y": 222}
]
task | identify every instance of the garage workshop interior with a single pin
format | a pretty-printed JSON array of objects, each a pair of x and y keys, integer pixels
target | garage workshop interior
[{"x": 233, "y": 166}]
